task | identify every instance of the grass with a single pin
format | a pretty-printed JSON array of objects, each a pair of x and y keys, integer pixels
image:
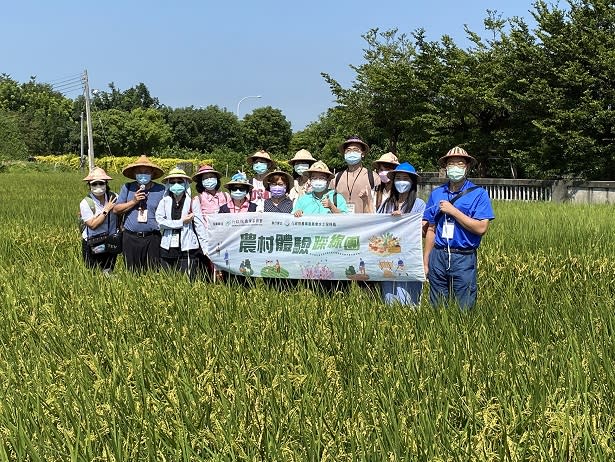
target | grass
[{"x": 157, "y": 368}]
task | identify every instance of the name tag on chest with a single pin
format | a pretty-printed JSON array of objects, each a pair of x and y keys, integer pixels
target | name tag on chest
[
  {"x": 174, "y": 240},
  {"x": 142, "y": 215},
  {"x": 448, "y": 229}
]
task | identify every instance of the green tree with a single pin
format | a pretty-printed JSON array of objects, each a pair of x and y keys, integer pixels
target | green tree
[
  {"x": 12, "y": 144},
  {"x": 267, "y": 128},
  {"x": 204, "y": 129}
]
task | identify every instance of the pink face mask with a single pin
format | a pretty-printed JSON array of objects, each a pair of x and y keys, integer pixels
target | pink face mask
[{"x": 383, "y": 176}]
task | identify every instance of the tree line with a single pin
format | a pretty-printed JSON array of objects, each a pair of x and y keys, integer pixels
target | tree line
[{"x": 536, "y": 103}]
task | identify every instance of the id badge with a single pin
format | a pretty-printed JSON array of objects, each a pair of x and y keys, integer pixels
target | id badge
[
  {"x": 448, "y": 229},
  {"x": 350, "y": 206},
  {"x": 174, "y": 240},
  {"x": 142, "y": 215}
]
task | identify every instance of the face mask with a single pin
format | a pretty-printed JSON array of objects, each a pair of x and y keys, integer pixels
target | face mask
[
  {"x": 455, "y": 173},
  {"x": 177, "y": 188},
  {"x": 352, "y": 157},
  {"x": 319, "y": 185},
  {"x": 277, "y": 191},
  {"x": 98, "y": 190},
  {"x": 238, "y": 194},
  {"x": 143, "y": 178},
  {"x": 301, "y": 168},
  {"x": 210, "y": 183},
  {"x": 259, "y": 167},
  {"x": 383, "y": 176},
  {"x": 402, "y": 186}
]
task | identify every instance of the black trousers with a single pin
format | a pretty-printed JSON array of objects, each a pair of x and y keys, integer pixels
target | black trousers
[
  {"x": 103, "y": 261},
  {"x": 187, "y": 262},
  {"x": 141, "y": 253}
]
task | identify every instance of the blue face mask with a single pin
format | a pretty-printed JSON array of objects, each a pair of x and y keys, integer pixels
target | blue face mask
[
  {"x": 352, "y": 157},
  {"x": 210, "y": 183},
  {"x": 238, "y": 194},
  {"x": 143, "y": 178},
  {"x": 402, "y": 185},
  {"x": 455, "y": 173},
  {"x": 259, "y": 167},
  {"x": 177, "y": 188}
]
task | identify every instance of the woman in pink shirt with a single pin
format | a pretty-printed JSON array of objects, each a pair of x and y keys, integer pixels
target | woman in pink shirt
[{"x": 209, "y": 198}]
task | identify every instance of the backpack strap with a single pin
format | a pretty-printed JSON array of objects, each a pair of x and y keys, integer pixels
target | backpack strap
[
  {"x": 90, "y": 202},
  {"x": 338, "y": 176},
  {"x": 370, "y": 177},
  {"x": 454, "y": 199}
]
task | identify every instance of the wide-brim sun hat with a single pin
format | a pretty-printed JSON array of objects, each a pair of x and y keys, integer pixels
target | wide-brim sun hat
[
  {"x": 261, "y": 155},
  {"x": 142, "y": 161},
  {"x": 302, "y": 156},
  {"x": 205, "y": 169},
  {"x": 267, "y": 178},
  {"x": 354, "y": 139},
  {"x": 320, "y": 167},
  {"x": 457, "y": 152},
  {"x": 404, "y": 167},
  {"x": 97, "y": 174},
  {"x": 177, "y": 173},
  {"x": 388, "y": 158},
  {"x": 239, "y": 179}
]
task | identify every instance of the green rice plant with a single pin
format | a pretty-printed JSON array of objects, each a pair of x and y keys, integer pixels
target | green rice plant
[{"x": 154, "y": 367}]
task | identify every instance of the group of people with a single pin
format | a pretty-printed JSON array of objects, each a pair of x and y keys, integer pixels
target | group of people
[{"x": 163, "y": 225}]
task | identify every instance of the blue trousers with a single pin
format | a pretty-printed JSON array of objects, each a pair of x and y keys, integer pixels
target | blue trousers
[{"x": 456, "y": 282}]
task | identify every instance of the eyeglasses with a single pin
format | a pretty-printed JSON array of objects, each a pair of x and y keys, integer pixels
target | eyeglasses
[
  {"x": 97, "y": 183},
  {"x": 458, "y": 163}
]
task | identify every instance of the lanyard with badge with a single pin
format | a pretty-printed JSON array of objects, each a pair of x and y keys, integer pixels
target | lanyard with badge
[
  {"x": 448, "y": 227},
  {"x": 350, "y": 205}
]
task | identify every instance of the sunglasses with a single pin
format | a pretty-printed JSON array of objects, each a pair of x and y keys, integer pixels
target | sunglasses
[
  {"x": 97, "y": 183},
  {"x": 176, "y": 181},
  {"x": 239, "y": 189}
]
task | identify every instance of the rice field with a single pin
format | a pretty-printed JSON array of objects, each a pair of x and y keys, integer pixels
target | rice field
[{"x": 133, "y": 368}]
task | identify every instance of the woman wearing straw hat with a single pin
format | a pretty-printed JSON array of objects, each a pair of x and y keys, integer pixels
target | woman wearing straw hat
[
  {"x": 278, "y": 183},
  {"x": 207, "y": 183},
  {"x": 300, "y": 162},
  {"x": 240, "y": 188},
  {"x": 261, "y": 164},
  {"x": 458, "y": 215},
  {"x": 402, "y": 200},
  {"x": 138, "y": 201},
  {"x": 181, "y": 225},
  {"x": 97, "y": 216},
  {"x": 385, "y": 164},
  {"x": 321, "y": 200}
]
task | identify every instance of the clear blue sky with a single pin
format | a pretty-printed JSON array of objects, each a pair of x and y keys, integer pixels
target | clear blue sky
[{"x": 216, "y": 52}]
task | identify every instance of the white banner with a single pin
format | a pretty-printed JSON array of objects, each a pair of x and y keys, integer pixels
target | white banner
[{"x": 364, "y": 247}]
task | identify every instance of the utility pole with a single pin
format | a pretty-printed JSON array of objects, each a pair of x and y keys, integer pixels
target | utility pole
[
  {"x": 81, "y": 154},
  {"x": 86, "y": 90}
]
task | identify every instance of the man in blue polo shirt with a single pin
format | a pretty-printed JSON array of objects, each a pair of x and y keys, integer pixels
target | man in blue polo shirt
[{"x": 458, "y": 215}]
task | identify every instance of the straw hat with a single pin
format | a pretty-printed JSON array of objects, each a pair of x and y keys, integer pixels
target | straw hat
[
  {"x": 459, "y": 153},
  {"x": 320, "y": 167},
  {"x": 205, "y": 169},
  {"x": 388, "y": 158},
  {"x": 262, "y": 155},
  {"x": 404, "y": 168},
  {"x": 97, "y": 174},
  {"x": 143, "y": 161},
  {"x": 267, "y": 179},
  {"x": 239, "y": 179},
  {"x": 303, "y": 155},
  {"x": 177, "y": 173},
  {"x": 354, "y": 139}
]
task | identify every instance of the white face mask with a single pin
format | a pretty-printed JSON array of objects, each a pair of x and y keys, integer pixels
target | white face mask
[
  {"x": 301, "y": 168},
  {"x": 210, "y": 183},
  {"x": 98, "y": 190},
  {"x": 319, "y": 185}
]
